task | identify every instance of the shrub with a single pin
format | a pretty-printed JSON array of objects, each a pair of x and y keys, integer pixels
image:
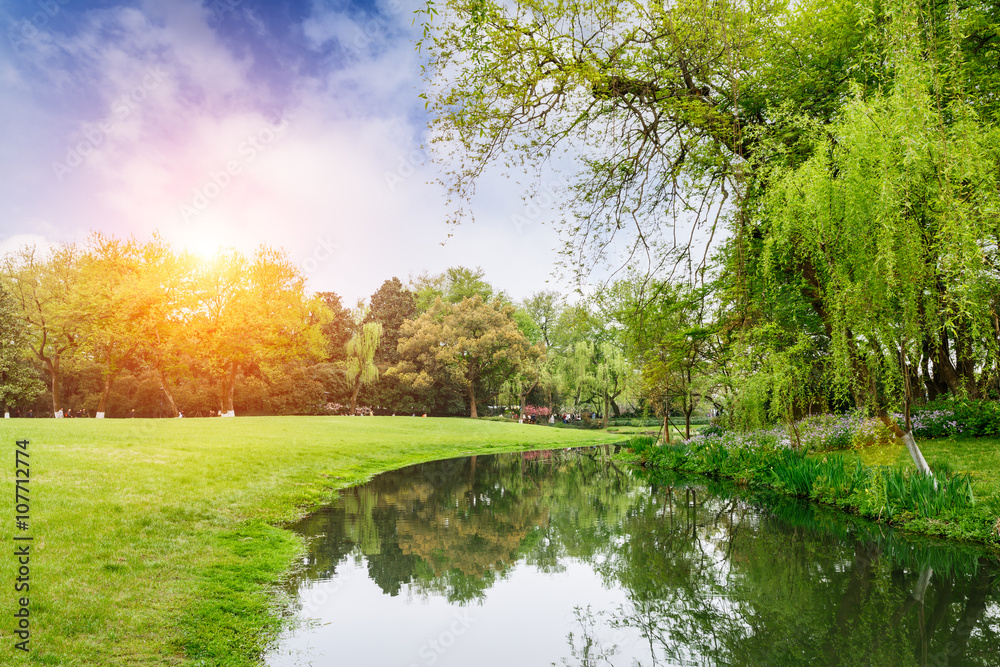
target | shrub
[
  {"x": 712, "y": 430},
  {"x": 953, "y": 417}
]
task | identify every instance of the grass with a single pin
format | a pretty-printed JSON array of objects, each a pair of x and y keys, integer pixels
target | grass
[
  {"x": 962, "y": 501},
  {"x": 158, "y": 542},
  {"x": 978, "y": 456}
]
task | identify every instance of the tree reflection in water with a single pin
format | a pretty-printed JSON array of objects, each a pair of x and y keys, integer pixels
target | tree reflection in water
[{"x": 712, "y": 574}]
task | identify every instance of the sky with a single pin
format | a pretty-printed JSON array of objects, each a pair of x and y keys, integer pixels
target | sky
[{"x": 236, "y": 123}]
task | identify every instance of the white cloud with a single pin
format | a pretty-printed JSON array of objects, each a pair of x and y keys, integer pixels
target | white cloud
[{"x": 343, "y": 187}]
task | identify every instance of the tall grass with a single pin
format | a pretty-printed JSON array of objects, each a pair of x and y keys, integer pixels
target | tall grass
[{"x": 879, "y": 492}]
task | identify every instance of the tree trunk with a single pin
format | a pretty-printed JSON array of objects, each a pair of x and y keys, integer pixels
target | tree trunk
[
  {"x": 472, "y": 401},
  {"x": 522, "y": 398},
  {"x": 354, "y": 395},
  {"x": 909, "y": 441},
  {"x": 102, "y": 404},
  {"x": 166, "y": 390},
  {"x": 53, "y": 364},
  {"x": 944, "y": 369},
  {"x": 607, "y": 408},
  {"x": 964, "y": 356},
  {"x": 230, "y": 388}
]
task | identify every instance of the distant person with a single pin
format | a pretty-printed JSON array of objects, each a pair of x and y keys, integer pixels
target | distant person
[
  {"x": 131, "y": 414},
  {"x": 424, "y": 415}
]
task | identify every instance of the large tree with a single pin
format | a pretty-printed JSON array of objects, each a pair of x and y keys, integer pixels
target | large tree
[
  {"x": 891, "y": 227},
  {"x": 122, "y": 284},
  {"x": 391, "y": 305},
  {"x": 470, "y": 346},
  {"x": 45, "y": 285},
  {"x": 666, "y": 330},
  {"x": 18, "y": 384},
  {"x": 748, "y": 115},
  {"x": 660, "y": 103},
  {"x": 252, "y": 314}
]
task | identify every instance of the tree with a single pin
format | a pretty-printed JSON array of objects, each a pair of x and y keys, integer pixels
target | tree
[
  {"x": 544, "y": 309},
  {"x": 17, "y": 382},
  {"x": 339, "y": 326},
  {"x": 359, "y": 365},
  {"x": 390, "y": 305},
  {"x": 168, "y": 286},
  {"x": 252, "y": 313},
  {"x": 119, "y": 295},
  {"x": 453, "y": 286},
  {"x": 888, "y": 229},
  {"x": 46, "y": 289},
  {"x": 666, "y": 331},
  {"x": 471, "y": 346},
  {"x": 660, "y": 103},
  {"x": 787, "y": 122},
  {"x": 612, "y": 377}
]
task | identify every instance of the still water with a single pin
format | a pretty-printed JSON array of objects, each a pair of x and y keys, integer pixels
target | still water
[{"x": 569, "y": 558}]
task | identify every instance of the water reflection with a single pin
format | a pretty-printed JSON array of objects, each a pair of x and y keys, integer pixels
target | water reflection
[{"x": 566, "y": 558}]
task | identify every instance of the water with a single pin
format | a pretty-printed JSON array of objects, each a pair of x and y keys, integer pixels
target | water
[{"x": 567, "y": 558}]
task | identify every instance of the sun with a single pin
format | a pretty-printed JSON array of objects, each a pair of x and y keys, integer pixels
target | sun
[{"x": 204, "y": 243}]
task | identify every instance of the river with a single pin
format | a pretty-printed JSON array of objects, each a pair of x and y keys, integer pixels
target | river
[{"x": 568, "y": 557}]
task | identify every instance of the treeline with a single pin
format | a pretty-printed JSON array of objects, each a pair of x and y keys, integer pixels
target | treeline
[{"x": 119, "y": 327}]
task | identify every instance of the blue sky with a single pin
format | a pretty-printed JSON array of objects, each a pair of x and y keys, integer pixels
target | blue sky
[{"x": 241, "y": 122}]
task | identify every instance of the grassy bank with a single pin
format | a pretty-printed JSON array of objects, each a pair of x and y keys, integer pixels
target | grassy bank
[
  {"x": 877, "y": 482},
  {"x": 155, "y": 541}
]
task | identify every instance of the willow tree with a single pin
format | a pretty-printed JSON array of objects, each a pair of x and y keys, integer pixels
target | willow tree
[
  {"x": 646, "y": 109},
  {"x": 890, "y": 229},
  {"x": 359, "y": 366}
]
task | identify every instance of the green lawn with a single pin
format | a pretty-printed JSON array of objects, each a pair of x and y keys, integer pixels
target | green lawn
[
  {"x": 155, "y": 541},
  {"x": 978, "y": 456}
]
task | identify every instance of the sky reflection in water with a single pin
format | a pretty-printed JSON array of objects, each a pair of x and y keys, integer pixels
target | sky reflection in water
[{"x": 568, "y": 558}]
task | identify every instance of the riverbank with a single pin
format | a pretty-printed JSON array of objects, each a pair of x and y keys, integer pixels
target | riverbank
[
  {"x": 876, "y": 482},
  {"x": 157, "y": 542}
]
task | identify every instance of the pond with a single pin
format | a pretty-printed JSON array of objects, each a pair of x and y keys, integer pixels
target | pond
[{"x": 570, "y": 558}]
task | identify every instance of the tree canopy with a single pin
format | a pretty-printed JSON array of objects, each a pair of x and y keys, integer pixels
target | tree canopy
[{"x": 829, "y": 169}]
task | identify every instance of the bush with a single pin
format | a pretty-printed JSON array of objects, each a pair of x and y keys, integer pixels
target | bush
[{"x": 976, "y": 418}]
